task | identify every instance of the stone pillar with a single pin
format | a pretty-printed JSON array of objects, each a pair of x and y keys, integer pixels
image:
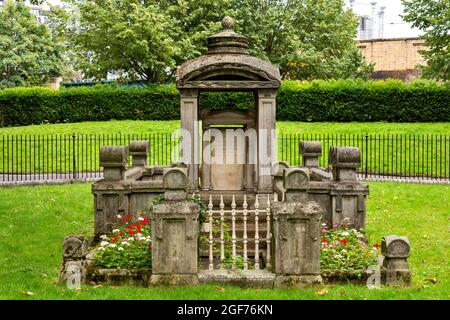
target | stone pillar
[
  {"x": 278, "y": 178},
  {"x": 206, "y": 161},
  {"x": 348, "y": 196},
  {"x": 114, "y": 161},
  {"x": 311, "y": 152},
  {"x": 139, "y": 152},
  {"x": 266, "y": 145},
  {"x": 190, "y": 135},
  {"x": 296, "y": 227},
  {"x": 175, "y": 227},
  {"x": 110, "y": 193},
  {"x": 395, "y": 269},
  {"x": 75, "y": 251}
]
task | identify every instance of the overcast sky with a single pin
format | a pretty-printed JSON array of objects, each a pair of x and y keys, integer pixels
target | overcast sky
[{"x": 394, "y": 26}]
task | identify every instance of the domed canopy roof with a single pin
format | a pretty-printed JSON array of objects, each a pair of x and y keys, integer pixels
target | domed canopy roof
[{"x": 227, "y": 65}]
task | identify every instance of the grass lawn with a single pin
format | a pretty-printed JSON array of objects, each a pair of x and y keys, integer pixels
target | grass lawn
[
  {"x": 34, "y": 221},
  {"x": 50, "y": 148},
  {"x": 138, "y": 127}
]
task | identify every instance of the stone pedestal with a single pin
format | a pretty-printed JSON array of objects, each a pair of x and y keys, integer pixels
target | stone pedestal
[
  {"x": 296, "y": 233},
  {"x": 174, "y": 224},
  {"x": 395, "y": 269}
]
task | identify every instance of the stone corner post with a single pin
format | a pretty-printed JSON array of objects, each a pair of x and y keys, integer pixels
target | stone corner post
[
  {"x": 296, "y": 233},
  {"x": 348, "y": 195},
  {"x": 139, "y": 152},
  {"x": 395, "y": 269},
  {"x": 110, "y": 193},
  {"x": 175, "y": 228}
]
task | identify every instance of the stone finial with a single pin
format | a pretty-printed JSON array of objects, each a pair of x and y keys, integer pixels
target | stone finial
[
  {"x": 395, "y": 270},
  {"x": 175, "y": 178},
  {"x": 228, "y": 23},
  {"x": 395, "y": 247},
  {"x": 113, "y": 159},
  {"x": 345, "y": 157},
  {"x": 139, "y": 152},
  {"x": 296, "y": 179},
  {"x": 344, "y": 161},
  {"x": 311, "y": 152},
  {"x": 296, "y": 183}
]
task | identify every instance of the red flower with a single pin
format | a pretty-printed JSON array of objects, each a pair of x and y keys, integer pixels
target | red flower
[
  {"x": 324, "y": 241},
  {"x": 130, "y": 232},
  {"x": 115, "y": 239},
  {"x": 376, "y": 245},
  {"x": 121, "y": 232},
  {"x": 344, "y": 241},
  {"x": 128, "y": 216}
]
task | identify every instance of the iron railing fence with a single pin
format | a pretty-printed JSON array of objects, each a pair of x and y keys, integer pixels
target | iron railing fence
[{"x": 75, "y": 156}]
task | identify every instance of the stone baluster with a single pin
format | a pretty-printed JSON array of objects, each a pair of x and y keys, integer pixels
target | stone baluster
[
  {"x": 244, "y": 237},
  {"x": 256, "y": 233},
  {"x": 233, "y": 231}
]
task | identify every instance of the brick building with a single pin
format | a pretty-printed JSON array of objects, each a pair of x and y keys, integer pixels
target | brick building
[{"x": 393, "y": 58}]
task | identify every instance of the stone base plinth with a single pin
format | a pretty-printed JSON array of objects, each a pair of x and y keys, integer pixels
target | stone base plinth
[
  {"x": 248, "y": 279},
  {"x": 296, "y": 281},
  {"x": 172, "y": 279}
]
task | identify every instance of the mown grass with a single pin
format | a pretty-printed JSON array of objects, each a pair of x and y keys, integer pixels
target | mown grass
[
  {"x": 138, "y": 127},
  {"x": 34, "y": 221},
  {"x": 411, "y": 148}
]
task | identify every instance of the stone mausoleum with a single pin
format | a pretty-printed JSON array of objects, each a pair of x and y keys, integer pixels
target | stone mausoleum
[{"x": 267, "y": 213}]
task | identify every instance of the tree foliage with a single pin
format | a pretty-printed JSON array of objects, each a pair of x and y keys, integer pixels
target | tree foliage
[
  {"x": 432, "y": 17},
  {"x": 307, "y": 39},
  {"x": 28, "y": 53}
]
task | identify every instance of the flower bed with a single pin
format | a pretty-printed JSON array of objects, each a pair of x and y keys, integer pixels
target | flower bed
[
  {"x": 345, "y": 254},
  {"x": 128, "y": 246}
]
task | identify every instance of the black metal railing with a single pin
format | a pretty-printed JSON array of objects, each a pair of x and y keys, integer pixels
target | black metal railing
[{"x": 75, "y": 156}]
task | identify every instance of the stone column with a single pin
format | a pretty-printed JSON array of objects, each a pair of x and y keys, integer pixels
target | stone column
[
  {"x": 139, "y": 152},
  {"x": 206, "y": 161},
  {"x": 296, "y": 233},
  {"x": 266, "y": 145},
  {"x": 348, "y": 196},
  {"x": 190, "y": 138},
  {"x": 175, "y": 227},
  {"x": 110, "y": 193},
  {"x": 395, "y": 269}
]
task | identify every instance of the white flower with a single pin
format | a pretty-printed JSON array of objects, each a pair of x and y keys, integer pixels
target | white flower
[
  {"x": 130, "y": 239},
  {"x": 125, "y": 243},
  {"x": 119, "y": 216},
  {"x": 120, "y": 249},
  {"x": 141, "y": 219},
  {"x": 113, "y": 245},
  {"x": 343, "y": 250},
  {"x": 337, "y": 256},
  {"x": 101, "y": 249},
  {"x": 148, "y": 240},
  {"x": 104, "y": 243},
  {"x": 354, "y": 231},
  {"x": 139, "y": 235},
  {"x": 138, "y": 238},
  {"x": 324, "y": 224},
  {"x": 345, "y": 233},
  {"x": 103, "y": 237},
  {"x": 115, "y": 230}
]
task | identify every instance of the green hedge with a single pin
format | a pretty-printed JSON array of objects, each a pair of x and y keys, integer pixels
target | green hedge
[{"x": 343, "y": 100}]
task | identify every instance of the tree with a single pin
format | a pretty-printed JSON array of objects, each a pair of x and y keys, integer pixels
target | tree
[
  {"x": 432, "y": 17},
  {"x": 142, "y": 39},
  {"x": 307, "y": 39},
  {"x": 28, "y": 53}
]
